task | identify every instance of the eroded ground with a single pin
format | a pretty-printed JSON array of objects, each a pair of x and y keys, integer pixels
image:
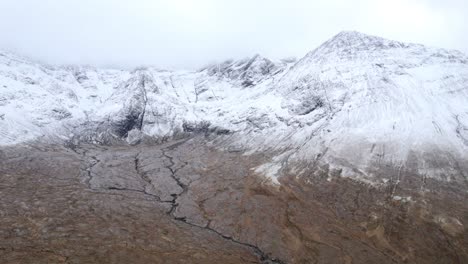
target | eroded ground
[{"x": 183, "y": 202}]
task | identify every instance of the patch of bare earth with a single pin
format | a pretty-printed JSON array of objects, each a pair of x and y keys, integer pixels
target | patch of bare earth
[{"x": 183, "y": 202}]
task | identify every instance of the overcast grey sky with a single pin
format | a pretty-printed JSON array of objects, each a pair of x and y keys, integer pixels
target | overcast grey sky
[{"x": 191, "y": 33}]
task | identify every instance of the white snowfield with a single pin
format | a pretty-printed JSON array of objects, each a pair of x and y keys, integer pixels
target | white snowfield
[{"x": 356, "y": 103}]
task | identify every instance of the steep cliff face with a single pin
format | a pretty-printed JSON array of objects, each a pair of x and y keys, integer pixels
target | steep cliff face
[{"x": 356, "y": 103}]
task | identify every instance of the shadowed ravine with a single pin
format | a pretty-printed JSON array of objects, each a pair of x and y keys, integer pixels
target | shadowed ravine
[{"x": 185, "y": 202}]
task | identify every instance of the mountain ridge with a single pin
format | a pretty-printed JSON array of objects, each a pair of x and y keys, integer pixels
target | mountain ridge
[{"x": 351, "y": 99}]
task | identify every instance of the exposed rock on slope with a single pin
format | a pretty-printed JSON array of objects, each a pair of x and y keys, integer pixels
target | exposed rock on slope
[{"x": 247, "y": 72}]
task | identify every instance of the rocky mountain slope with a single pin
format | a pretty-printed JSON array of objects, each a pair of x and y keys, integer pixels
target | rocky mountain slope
[
  {"x": 356, "y": 103},
  {"x": 355, "y": 153}
]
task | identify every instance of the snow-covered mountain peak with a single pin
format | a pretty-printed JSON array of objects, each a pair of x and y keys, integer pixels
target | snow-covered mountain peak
[
  {"x": 360, "y": 40},
  {"x": 248, "y": 71},
  {"x": 348, "y": 43},
  {"x": 347, "y": 101},
  {"x": 356, "y": 46}
]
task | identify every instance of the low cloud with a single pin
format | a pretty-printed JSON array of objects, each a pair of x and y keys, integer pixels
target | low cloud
[{"x": 190, "y": 33}]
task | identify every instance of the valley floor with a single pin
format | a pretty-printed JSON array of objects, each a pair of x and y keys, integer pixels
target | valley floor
[{"x": 184, "y": 202}]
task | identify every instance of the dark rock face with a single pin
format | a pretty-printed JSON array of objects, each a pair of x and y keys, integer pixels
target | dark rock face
[
  {"x": 60, "y": 114},
  {"x": 203, "y": 127},
  {"x": 248, "y": 72},
  {"x": 133, "y": 113},
  {"x": 183, "y": 202},
  {"x": 308, "y": 105},
  {"x": 130, "y": 121}
]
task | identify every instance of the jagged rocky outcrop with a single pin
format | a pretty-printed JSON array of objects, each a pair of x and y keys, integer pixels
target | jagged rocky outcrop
[{"x": 247, "y": 72}]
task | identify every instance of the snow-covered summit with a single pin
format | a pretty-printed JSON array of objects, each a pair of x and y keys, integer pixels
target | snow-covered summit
[
  {"x": 360, "y": 41},
  {"x": 248, "y": 71},
  {"x": 356, "y": 103}
]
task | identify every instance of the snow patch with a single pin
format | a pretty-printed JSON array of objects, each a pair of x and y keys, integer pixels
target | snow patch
[{"x": 270, "y": 171}]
